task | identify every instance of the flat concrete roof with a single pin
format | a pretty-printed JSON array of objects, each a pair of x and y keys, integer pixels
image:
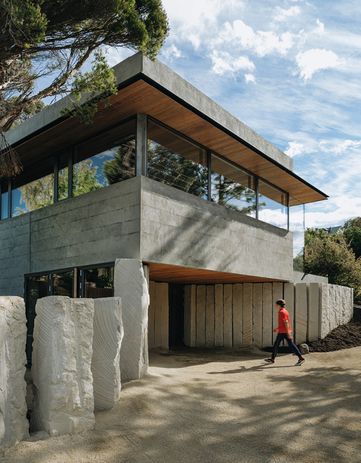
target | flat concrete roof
[
  {"x": 248, "y": 148},
  {"x": 174, "y": 83}
]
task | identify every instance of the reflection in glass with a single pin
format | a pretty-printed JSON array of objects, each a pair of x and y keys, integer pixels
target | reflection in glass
[
  {"x": 297, "y": 227},
  {"x": 273, "y": 206},
  {"x": 104, "y": 160},
  {"x": 176, "y": 162},
  {"x": 99, "y": 282},
  {"x": 32, "y": 196},
  {"x": 37, "y": 287},
  {"x": 62, "y": 283},
  {"x": 4, "y": 205},
  {"x": 232, "y": 187},
  {"x": 63, "y": 178}
]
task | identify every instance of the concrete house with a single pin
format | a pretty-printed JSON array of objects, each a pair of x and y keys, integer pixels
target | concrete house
[{"x": 166, "y": 176}]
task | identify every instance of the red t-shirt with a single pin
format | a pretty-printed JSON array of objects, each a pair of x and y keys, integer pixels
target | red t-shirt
[{"x": 283, "y": 316}]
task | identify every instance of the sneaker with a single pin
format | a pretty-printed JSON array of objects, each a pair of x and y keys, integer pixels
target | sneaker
[
  {"x": 300, "y": 362},
  {"x": 270, "y": 360}
]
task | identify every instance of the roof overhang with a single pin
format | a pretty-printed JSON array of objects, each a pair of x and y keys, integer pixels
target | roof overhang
[{"x": 152, "y": 88}]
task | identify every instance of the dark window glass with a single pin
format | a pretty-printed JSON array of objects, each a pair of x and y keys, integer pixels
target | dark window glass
[
  {"x": 37, "y": 287},
  {"x": 232, "y": 187},
  {"x": 99, "y": 282},
  {"x": 63, "y": 177},
  {"x": 4, "y": 204},
  {"x": 62, "y": 283},
  {"x": 273, "y": 207},
  {"x": 175, "y": 161},
  {"x": 104, "y": 160},
  {"x": 33, "y": 195}
]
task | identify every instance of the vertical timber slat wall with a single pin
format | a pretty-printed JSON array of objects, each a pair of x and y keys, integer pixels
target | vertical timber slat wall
[
  {"x": 301, "y": 304},
  {"x": 237, "y": 308},
  {"x": 257, "y": 314},
  {"x": 201, "y": 316},
  {"x": 267, "y": 313},
  {"x": 218, "y": 312},
  {"x": 236, "y": 315},
  {"x": 227, "y": 310},
  {"x": 247, "y": 324},
  {"x": 158, "y": 316},
  {"x": 210, "y": 315}
]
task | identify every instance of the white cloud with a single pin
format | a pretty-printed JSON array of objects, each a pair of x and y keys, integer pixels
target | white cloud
[
  {"x": 172, "y": 52},
  {"x": 224, "y": 63},
  {"x": 294, "y": 149},
  {"x": 249, "y": 78},
  {"x": 320, "y": 27},
  {"x": 316, "y": 59},
  {"x": 340, "y": 146},
  {"x": 263, "y": 43},
  {"x": 283, "y": 14}
]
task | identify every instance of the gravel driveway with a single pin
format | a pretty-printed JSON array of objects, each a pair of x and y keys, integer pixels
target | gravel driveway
[{"x": 214, "y": 407}]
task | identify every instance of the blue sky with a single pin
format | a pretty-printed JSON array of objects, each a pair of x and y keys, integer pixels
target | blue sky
[{"x": 290, "y": 69}]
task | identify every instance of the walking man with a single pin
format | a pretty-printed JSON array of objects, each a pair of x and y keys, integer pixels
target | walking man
[{"x": 284, "y": 332}]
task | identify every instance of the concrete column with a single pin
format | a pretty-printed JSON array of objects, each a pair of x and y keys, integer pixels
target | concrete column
[
  {"x": 257, "y": 314},
  {"x": 301, "y": 303},
  {"x": 237, "y": 307},
  {"x": 227, "y": 311},
  {"x": 218, "y": 315},
  {"x": 210, "y": 315},
  {"x": 289, "y": 297},
  {"x": 190, "y": 314},
  {"x": 313, "y": 311},
  {"x": 13, "y": 422},
  {"x": 267, "y": 310},
  {"x": 130, "y": 284},
  {"x": 277, "y": 293},
  {"x": 201, "y": 316},
  {"x": 247, "y": 323},
  {"x": 141, "y": 145}
]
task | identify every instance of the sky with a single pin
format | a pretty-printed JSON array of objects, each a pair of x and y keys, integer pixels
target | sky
[{"x": 289, "y": 69}]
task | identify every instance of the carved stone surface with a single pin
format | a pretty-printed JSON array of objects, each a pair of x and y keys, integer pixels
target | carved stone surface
[
  {"x": 13, "y": 422},
  {"x": 107, "y": 340},
  {"x": 61, "y": 370}
]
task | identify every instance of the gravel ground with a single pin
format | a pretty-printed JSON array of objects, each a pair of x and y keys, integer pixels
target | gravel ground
[{"x": 212, "y": 407}]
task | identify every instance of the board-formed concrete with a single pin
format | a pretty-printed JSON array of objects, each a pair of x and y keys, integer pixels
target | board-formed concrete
[
  {"x": 107, "y": 340},
  {"x": 130, "y": 284},
  {"x": 13, "y": 423},
  {"x": 301, "y": 312},
  {"x": 61, "y": 370}
]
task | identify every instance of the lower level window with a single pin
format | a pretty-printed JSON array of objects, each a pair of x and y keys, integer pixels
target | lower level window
[{"x": 98, "y": 282}]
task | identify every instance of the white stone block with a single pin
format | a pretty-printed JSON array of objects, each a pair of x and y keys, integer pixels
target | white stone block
[
  {"x": 108, "y": 335},
  {"x": 336, "y": 307},
  {"x": 131, "y": 286},
  {"x": 13, "y": 422},
  {"x": 61, "y": 370}
]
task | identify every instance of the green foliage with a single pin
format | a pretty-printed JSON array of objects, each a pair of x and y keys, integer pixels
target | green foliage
[
  {"x": 352, "y": 232},
  {"x": 37, "y": 194},
  {"x": 329, "y": 255},
  {"x": 85, "y": 178},
  {"x": 122, "y": 166},
  {"x": 55, "y": 38}
]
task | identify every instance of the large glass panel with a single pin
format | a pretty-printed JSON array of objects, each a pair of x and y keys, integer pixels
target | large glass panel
[
  {"x": 99, "y": 282},
  {"x": 4, "y": 202},
  {"x": 272, "y": 205},
  {"x": 62, "y": 283},
  {"x": 297, "y": 227},
  {"x": 36, "y": 287},
  {"x": 176, "y": 162},
  {"x": 63, "y": 177},
  {"x": 31, "y": 196},
  {"x": 104, "y": 160},
  {"x": 232, "y": 187}
]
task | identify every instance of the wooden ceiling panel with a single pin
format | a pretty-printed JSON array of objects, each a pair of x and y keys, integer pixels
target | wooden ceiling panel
[{"x": 142, "y": 97}]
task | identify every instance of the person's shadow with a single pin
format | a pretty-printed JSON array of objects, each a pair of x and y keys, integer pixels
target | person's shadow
[{"x": 244, "y": 369}]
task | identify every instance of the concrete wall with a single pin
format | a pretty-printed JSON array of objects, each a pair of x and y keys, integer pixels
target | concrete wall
[
  {"x": 336, "y": 307},
  {"x": 181, "y": 229},
  {"x": 93, "y": 228},
  {"x": 300, "y": 277},
  {"x": 158, "y": 318}
]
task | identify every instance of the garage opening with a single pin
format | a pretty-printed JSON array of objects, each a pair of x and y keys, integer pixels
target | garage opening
[{"x": 176, "y": 316}]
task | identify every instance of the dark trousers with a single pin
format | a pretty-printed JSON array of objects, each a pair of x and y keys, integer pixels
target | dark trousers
[{"x": 291, "y": 345}]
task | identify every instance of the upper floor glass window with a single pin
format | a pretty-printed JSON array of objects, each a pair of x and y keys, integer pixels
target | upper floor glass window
[
  {"x": 4, "y": 201},
  {"x": 272, "y": 205},
  {"x": 176, "y": 161},
  {"x": 63, "y": 176},
  {"x": 33, "y": 195},
  {"x": 106, "y": 159},
  {"x": 232, "y": 187}
]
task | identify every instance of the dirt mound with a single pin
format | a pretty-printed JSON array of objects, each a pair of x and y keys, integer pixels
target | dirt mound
[{"x": 342, "y": 337}]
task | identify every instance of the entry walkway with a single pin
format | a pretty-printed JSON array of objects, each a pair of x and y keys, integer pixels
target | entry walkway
[{"x": 221, "y": 408}]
